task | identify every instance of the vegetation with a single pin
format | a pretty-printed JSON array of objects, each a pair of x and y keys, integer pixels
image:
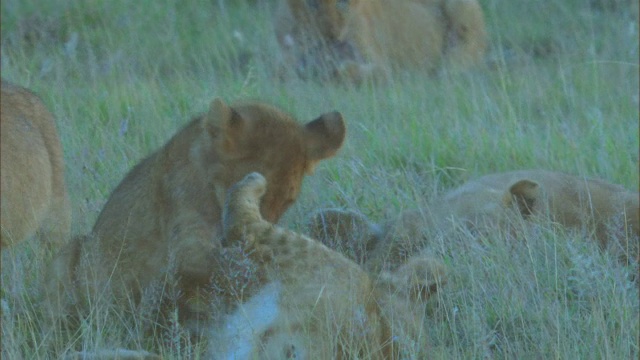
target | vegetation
[{"x": 559, "y": 91}]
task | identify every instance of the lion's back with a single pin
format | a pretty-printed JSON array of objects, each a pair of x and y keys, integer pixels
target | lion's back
[{"x": 34, "y": 196}]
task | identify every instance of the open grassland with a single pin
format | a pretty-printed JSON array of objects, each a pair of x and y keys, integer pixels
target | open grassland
[{"x": 560, "y": 92}]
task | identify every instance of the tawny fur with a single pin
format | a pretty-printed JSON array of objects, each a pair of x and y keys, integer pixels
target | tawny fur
[
  {"x": 34, "y": 194},
  {"x": 606, "y": 212},
  {"x": 379, "y": 248},
  {"x": 163, "y": 221},
  {"x": 347, "y": 232},
  {"x": 356, "y": 40},
  {"x": 327, "y": 306}
]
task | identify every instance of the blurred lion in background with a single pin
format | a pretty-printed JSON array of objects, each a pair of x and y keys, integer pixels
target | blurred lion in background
[
  {"x": 356, "y": 40},
  {"x": 605, "y": 212}
]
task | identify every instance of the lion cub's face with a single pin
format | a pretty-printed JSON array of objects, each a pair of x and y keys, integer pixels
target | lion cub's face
[{"x": 258, "y": 137}]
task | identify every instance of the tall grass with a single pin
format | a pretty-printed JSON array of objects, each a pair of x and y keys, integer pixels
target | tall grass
[{"x": 561, "y": 93}]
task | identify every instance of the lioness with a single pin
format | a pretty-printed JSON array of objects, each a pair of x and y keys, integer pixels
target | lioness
[
  {"x": 313, "y": 302},
  {"x": 34, "y": 195},
  {"x": 163, "y": 221},
  {"x": 608, "y": 212},
  {"x": 355, "y": 40},
  {"x": 604, "y": 210}
]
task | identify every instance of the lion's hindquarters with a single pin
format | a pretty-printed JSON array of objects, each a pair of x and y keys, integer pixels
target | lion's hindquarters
[
  {"x": 26, "y": 185},
  {"x": 34, "y": 195}
]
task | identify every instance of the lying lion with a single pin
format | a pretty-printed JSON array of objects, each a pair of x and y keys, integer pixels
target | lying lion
[
  {"x": 356, "y": 40},
  {"x": 312, "y": 302},
  {"x": 606, "y": 212}
]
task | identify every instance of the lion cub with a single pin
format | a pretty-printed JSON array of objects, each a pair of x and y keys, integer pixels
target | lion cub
[
  {"x": 34, "y": 195},
  {"x": 162, "y": 223},
  {"x": 314, "y": 302}
]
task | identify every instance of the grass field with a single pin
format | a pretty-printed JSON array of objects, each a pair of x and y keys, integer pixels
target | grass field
[{"x": 561, "y": 92}]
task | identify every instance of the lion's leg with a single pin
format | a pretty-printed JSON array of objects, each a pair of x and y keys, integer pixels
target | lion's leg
[
  {"x": 61, "y": 303},
  {"x": 56, "y": 226},
  {"x": 193, "y": 251}
]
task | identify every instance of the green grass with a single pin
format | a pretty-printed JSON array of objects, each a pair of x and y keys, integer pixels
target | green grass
[{"x": 561, "y": 94}]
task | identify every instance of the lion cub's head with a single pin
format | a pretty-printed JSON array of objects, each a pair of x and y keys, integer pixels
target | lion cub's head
[{"x": 257, "y": 137}]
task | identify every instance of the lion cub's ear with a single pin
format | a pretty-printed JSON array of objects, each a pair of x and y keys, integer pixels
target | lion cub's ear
[
  {"x": 325, "y": 135},
  {"x": 523, "y": 194},
  {"x": 223, "y": 120}
]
